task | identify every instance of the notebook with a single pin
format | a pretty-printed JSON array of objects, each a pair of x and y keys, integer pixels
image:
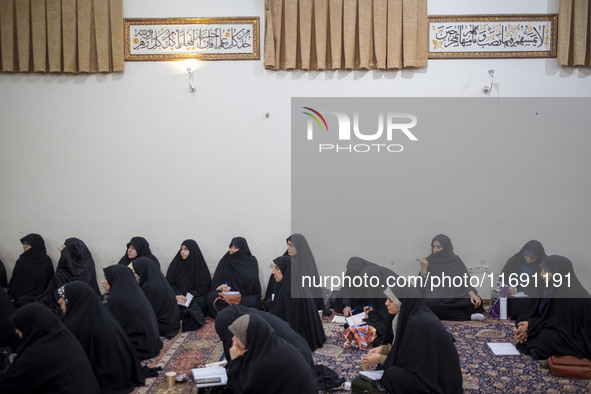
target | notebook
[
  {"x": 209, "y": 377},
  {"x": 189, "y": 299},
  {"x": 356, "y": 320}
]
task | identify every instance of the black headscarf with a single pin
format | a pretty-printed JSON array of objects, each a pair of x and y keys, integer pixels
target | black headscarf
[
  {"x": 271, "y": 365},
  {"x": 227, "y": 316},
  {"x": 76, "y": 263},
  {"x": 115, "y": 363},
  {"x": 563, "y": 327},
  {"x": 3, "y": 278},
  {"x": 50, "y": 359},
  {"x": 423, "y": 346},
  {"x": 446, "y": 262},
  {"x": 8, "y": 337},
  {"x": 513, "y": 266},
  {"x": 133, "y": 311},
  {"x": 190, "y": 275},
  {"x": 160, "y": 295},
  {"x": 142, "y": 248},
  {"x": 300, "y": 313},
  {"x": 240, "y": 270},
  {"x": 32, "y": 272}
]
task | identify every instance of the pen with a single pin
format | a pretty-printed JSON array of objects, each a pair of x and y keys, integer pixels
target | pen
[{"x": 354, "y": 310}]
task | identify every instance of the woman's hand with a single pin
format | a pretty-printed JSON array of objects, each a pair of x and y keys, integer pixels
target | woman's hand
[
  {"x": 512, "y": 290},
  {"x": 181, "y": 299},
  {"x": 237, "y": 349},
  {"x": 424, "y": 265},
  {"x": 521, "y": 331},
  {"x": 474, "y": 299},
  {"x": 377, "y": 350},
  {"x": 347, "y": 311},
  {"x": 371, "y": 359}
]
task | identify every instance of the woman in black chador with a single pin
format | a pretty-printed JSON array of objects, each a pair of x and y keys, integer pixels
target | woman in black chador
[
  {"x": 49, "y": 360},
  {"x": 160, "y": 294},
  {"x": 133, "y": 311},
  {"x": 418, "y": 354},
  {"x": 188, "y": 273},
  {"x": 32, "y": 272},
  {"x": 76, "y": 263},
  {"x": 557, "y": 320},
  {"x": 226, "y": 317},
  {"x": 300, "y": 313},
  {"x": 525, "y": 262},
  {"x": 138, "y": 247},
  {"x": 261, "y": 362},
  {"x": 115, "y": 363},
  {"x": 449, "y": 302},
  {"x": 238, "y": 271}
]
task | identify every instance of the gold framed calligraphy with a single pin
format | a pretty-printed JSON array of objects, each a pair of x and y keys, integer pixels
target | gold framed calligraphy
[
  {"x": 160, "y": 39},
  {"x": 492, "y": 36}
]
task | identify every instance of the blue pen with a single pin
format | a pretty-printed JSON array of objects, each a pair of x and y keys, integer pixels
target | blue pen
[{"x": 354, "y": 310}]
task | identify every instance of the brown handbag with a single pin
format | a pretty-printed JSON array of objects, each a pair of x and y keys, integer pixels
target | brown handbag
[
  {"x": 570, "y": 367},
  {"x": 231, "y": 299}
]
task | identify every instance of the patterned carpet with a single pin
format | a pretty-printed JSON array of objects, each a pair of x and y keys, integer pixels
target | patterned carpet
[{"x": 482, "y": 370}]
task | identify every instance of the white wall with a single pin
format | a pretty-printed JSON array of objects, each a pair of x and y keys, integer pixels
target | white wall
[{"x": 108, "y": 157}]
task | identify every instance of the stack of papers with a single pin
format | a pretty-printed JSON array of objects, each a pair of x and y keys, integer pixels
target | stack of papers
[
  {"x": 209, "y": 377},
  {"x": 339, "y": 319},
  {"x": 373, "y": 375}
]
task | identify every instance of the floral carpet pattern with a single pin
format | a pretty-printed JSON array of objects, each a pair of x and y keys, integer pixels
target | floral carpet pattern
[{"x": 483, "y": 372}]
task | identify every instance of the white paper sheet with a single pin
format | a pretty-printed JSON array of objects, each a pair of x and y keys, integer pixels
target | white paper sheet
[{"x": 503, "y": 349}]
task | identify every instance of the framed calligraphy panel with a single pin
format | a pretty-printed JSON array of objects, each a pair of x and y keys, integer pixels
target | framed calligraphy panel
[
  {"x": 192, "y": 38},
  {"x": 492, "y": 36}
]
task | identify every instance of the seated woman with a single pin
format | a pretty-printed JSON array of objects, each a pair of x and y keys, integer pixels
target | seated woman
[
  {"x": 238, "y": 271},
  {"x": 160, "y": 295},
  {"x": 526, "y": 262},
  {"x": 138, "y": 247},
  {"x": 305, "y": 265},
  {"x": 261, "y": 362},
  {"x": 188, "y": 273},
  {"x": 76, "y": 263},
  {"x": 50, "y": 358},
  {"x": 133, "y": 311},
  {"x": 32, "y": 272},
  {"x": 300, "y": 313},
  {"x": 558, "y": 322},
  {"x": 449, "y": 302},
  {"x": 115, "y": 363},
  {"x": 226, "y": 317},
  {"x": 419, "y": 354}
]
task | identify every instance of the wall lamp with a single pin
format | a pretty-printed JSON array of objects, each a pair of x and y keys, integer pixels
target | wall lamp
[
  {"x": 487, "y": 89},
  {"x": 190, "y": 81}
]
